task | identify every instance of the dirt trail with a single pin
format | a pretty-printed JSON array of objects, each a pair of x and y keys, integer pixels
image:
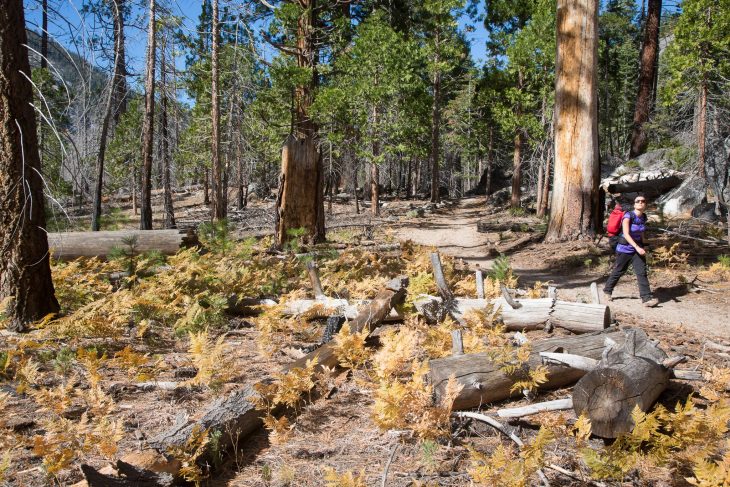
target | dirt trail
[{"x": 453, "y": 231}]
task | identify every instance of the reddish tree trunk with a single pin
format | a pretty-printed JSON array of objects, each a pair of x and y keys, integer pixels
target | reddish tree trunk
[
  {"x": 300, "y": 202},
  {"x": 574, "y": 205},
  {"x": 26, "y": 287},
  {"x": 647, "y": 73}
]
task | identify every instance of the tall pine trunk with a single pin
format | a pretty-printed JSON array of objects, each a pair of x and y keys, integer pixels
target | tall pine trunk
[
  {"x": 169, "y": 210},
  {"x": 300, "y": 201},
  {"x": 148, "y": 127},
  {"x": 375, "y": 170},
  {"x": 702, "y": 128},
  {"x": 109, "y": 111},
  {"x": 647, "y": 73},
  {"x": 218, "y": 211},
  {"x": 120, "y": 63},
  {"x": 574, "y": 205},
  {"x": 26, "y": 287},
  {"x": 435, "y": 137}
]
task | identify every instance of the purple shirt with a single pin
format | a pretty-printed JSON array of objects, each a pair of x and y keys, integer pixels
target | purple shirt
[{"x": 637, "y": 225}]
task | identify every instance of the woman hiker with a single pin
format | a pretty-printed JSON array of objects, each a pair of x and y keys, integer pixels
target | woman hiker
[{"x": 630, "y": 250}]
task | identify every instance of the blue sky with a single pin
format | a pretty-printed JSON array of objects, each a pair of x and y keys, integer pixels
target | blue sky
[{"x": 66, "y": 18}]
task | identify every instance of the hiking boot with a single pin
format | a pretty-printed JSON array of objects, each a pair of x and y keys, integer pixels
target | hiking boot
[
  {"x": 607, "y": 297},
  {"x": 650, "y": 303}
]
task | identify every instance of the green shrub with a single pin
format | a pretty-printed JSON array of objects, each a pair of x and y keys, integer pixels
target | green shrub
[{"x": 215, "y": 236}]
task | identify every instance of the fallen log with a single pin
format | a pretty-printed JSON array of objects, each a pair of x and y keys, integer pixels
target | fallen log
[
  {"x": 128, "y": 475},
  {"x": 580, "y": 317},
  {"x": 532, "y": 314},
  {"x": 633, "y": 374},
  {"x": 369, "y": 317},
  {"x": 70, "y": 245},
  {"x": 484, "y": 382},
  {"x": 315, "y": 308},
  {"x": 235, "y": 415},
  {"x": 486, "y": 226},
  {"x": 652, "y": 187},
  {"x": 540, "y": 407}
]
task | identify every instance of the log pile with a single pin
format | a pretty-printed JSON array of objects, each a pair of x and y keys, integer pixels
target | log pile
[{"x": 615, "y": 370}]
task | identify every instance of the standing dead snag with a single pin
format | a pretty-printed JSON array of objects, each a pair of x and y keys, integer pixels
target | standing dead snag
[{"x": 627, "y": 376}]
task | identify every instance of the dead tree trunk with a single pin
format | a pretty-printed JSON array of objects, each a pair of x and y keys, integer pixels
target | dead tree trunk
[
  {"x": 574, "y": 205},
  {"x": 218, "y": 211},
  {"x": 26, "y": 288},
  {"x": 70, "y": 245},
  {"x": 375, "y": 169},
  {"x": 484, "y": 382},
  {"x": 120, "y": 63},
  {"x": 647, "y": 72},
  {"x": 165, "y": 144},
  {"x": 626, "y": 377},
  {"x": 300, "y": 202},
  {"x": 436, "y": 131},
  {"x": 109, "y": 112},
  {"x": 149, "y": 127}
]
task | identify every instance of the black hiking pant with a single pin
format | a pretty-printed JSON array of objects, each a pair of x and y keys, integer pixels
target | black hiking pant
[{"x": 638, "y": 262}]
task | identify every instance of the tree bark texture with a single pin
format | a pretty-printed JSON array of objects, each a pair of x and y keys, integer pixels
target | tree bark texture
[
  {"x": 70, "y": 245},
  {"x": 647, "y": 73},
  {"x": 702, "y": 128},
  {"x": 218, "y": 211},
  {"x": 517, "y": 170},
  {"x": 44, "y": 34},
  {"x": 26, "y": 288},
  {"x": 375, "y": 169},
  {"x": 169, "y": 209},
  {"x": 485, "y": 383},
  {"x": 148, "y": 127},
  {"x": 300, "y": 203},
  {"x": 120, "y": 63},
  {"x": 435, "y": 137},
  {"x": 574, "y": 205},
  {"x": 627, "y": 376}
]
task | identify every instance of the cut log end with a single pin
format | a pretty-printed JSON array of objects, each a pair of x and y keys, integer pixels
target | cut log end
[{"x": 608, "y": 396}]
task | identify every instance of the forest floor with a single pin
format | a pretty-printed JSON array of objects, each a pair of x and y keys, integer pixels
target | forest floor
[{"x": 65, "y": 390}]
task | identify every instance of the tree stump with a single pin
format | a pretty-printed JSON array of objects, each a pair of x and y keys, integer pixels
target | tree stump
[{"x": 627, "y": 376}]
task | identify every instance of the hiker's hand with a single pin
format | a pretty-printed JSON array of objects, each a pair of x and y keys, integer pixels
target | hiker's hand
[{"x": 640, "y": 251}]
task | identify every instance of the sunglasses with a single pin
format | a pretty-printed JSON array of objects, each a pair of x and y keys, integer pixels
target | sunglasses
[{"x": 639, "y": 201}]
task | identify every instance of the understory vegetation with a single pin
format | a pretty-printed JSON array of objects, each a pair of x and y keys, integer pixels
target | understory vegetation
[{"x": 62, "y": 370}]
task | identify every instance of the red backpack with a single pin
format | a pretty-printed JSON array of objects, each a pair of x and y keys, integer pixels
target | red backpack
[{"x": 613, "y": 227}]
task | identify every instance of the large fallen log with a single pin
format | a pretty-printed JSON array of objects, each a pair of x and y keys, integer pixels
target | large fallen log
[
  {"x": 484, "y": 382},
  {"x": 70, "y": 245},
  {"x": 652, "y": 187},
  {"x": 532, "y": 314},
  {"x": 235, "y": 416},
  {"x": 633, "y": 374}
]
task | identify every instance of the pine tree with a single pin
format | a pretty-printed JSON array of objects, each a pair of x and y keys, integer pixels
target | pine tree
[{"x": 26, "y": 288}]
